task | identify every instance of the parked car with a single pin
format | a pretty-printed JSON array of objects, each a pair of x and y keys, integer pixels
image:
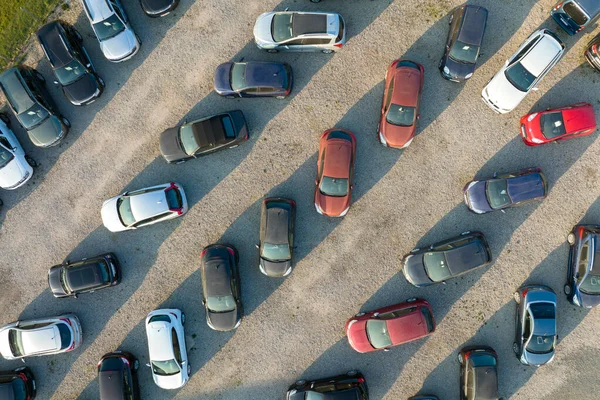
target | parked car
[
  {"x": 478, "y": 373},
  {"x": 111, "y": 26},
  {"x": 221, "y": 287},
  {"x": 446, "y": 259},
  {"x": 574, "y": 15},
  {"x": 15, "y": 166},
  {"x": 40, "y": 336},
  {"x": 558, "y": 124},
  {"x": 505, "y": 191},
  {"x": 88, "y": 275},
  {"x": 204, "y": 136},
  {"x": 276, "y": 246},
  {"x": 535, "y": 330},
  {"x": 70, "y": 62},
  {"x": 117, "y": 376},
  {"x": 390, "y": 326},
  {"x": 166, "y": 347},
  {"x": 137, "y": 208},
  {"x": 253, "y": 79},
  {"x": 300, "y": 31},
  {"x": 583, "y": 277},
  {"x": 158, "y": 8},
  {"x": 401, "y": 103},
  {"x": 35, "y": 110},
  {"x": 18, "y": 384},
  {"x": 351, "y": 386},
  {"x": 467, "y": 27},
  {"x": 335, "y": 172},
  {"x": 592, "y": 52},
  {"x": 523, "y": 71}
]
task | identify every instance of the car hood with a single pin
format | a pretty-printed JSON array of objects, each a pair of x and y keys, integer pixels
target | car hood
[
  {"x": 82, "y": 89},
  {"x": 275, "y": 269},
  {"x": 221, "y": 80},
  {"x": 397, "y": 136},
  {"x": 46, "y": 133},
  {"x": 414, "y": 270},
  {"x": 169, "y": 145},
  {"x": 502, "y": 93},
  {"x": 12, "y": 173},
  {"x": 459, "y": 70},
  {"x": 537, "y": 359},
  {"x": 110, "y": 216},
  {"x": 262, "y": 29},
  {"x": 330, "y": 205},
  {"x": 357, "y": 336},
  {"x": 54, "y": 282},
  {"x": 222, "y": 321},
  {"x": 119, "y": 46},
  {"x": 169, "y": 382},
  {"x": 476, "y": 198}
]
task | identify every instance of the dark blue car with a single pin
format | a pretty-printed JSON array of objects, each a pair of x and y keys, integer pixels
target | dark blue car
[
  {"x": 574, "y": 15},
  {"x": 583, "y": 277},
  {"x": 253, "y": 79},
  {"x": 505, "y": 191}
]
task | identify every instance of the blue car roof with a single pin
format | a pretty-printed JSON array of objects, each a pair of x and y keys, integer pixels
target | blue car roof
[{"x": 526, "y": 187}]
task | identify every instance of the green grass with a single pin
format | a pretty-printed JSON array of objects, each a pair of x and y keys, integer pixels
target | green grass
[{"x": 17, "y": 24}]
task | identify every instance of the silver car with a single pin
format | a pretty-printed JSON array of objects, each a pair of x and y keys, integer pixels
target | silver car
[
  {"x": 117, "y": 40},
  {"x": 15, "y": 166},
  {"x": 535, "y": 338},
  {"x": 40, "y": 337},
  {"x": 300, "y": 31}
]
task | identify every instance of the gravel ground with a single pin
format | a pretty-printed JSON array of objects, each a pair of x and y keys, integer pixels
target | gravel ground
[{"x": 294, "y": 327}]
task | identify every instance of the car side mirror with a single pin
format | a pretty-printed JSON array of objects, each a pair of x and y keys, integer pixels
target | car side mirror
[
  {"x": 287, "y": 9},
  {"x": 75, "y": 296},
  {"x": 386, "y": 349},
  {"x": 257, "y": 246},
  {"x": 535, "y": 89},
  {"x": 185, "y": 121},
  {"x": 148, "y": 365},
  {"x": 88, "y": 65},
  {"x": 18, "y": 323},
  {"x": 203, "y": 302},
  {"x": 316, "y": 182},
  {"x": 56, "y": 83},
  {"x": 503, "y": 211},
  {"x": 495, "y": 174},
  {"x": 376, "y": 315}
]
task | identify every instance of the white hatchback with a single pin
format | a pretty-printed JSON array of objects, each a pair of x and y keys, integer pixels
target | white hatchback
[
  {"x": 166, "y": 347},
  {"x": 523, "y": 71},
  {"x": 15, "y": 166}
]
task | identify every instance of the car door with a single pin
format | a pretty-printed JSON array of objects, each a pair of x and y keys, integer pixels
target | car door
[
  {"x": 470, "y": 383},
  {"x": 292, "y": 230},
  {"x": 120, "y": 11},
  {"x": 519, "y": 327},
  {"x": 312, "y": 44},
  {"x": 250, "y": 92},
  {"x": 293, "y": 45},
  {"x": 527, "y": 326},
  {"x": 321, "y": 164},
  {"x": 457, "y": 17},
  {"x": 4, "y": 142},
  {"x": 388, "y": 96},
  {"x": 176, "y": 348}
]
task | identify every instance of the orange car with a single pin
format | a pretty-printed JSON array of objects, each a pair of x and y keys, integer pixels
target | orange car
[
  {"x": 335, "y": 170},
  {"x": 401, "y": 102}
]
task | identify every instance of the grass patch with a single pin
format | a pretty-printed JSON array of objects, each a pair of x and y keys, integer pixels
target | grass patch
[{"x": 18, "y": 20}]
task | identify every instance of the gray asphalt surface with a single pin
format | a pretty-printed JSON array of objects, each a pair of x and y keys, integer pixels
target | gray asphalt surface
[{"x": 294, "y": 327}]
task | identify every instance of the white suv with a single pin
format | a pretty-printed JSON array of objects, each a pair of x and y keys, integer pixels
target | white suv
[{"x": 15, "y": 167}]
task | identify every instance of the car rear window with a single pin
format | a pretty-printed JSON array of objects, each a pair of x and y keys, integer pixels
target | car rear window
[
  {"x": 339, "y": 135},
  {"x": 111, "y": 364},
  {"x": 401, "y": 115},
  {"x": 553, "y": 125},
  {"x": 65, "y": 336},
  {"x": 341, "y": 34},
  {"x": 406, "y": 63},
  {"x": 428, "y": 318},
  {"x": 228, "y": 127},
  {"x": 159, "y": 318},
  {"x": 174, "y": 199},
  {"x": 576, "y": 14},
  {"x": 482, "y": 360},
  {"x": 125, "y": 213}
]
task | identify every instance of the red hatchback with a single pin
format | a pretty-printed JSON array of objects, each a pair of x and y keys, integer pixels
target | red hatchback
[
  {"x": 559, "y": 124},
  {"x": 390, "y": 326},
  {"x": 335, "y": 171},
  {"x": 401, "y": 102}
]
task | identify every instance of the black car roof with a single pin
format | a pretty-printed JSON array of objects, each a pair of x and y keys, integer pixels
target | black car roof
[
  {"x": 349, "y": 394},
  {"x": 217, "y": 276},
  {"x": 466, "y": 257},
  {"x": 51, "y": 39},
  {"x": 111, "y": 385},
  {"x": 15, "y": 90},
  {"x": 303, "y": 24},
  {"x": 473, "y": 25},
  {"x": 277, "y": 229},
  {"x": 84, "y": 276},
  {"x": 209, "y": 132},
  {"x": 486, "y": 382}
]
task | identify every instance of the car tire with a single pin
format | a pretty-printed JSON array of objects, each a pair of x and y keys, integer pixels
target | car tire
[
  {"x": 136, "y": 365},
  {"x": 272, "y": 51},
  {"x": 300, "y": 383},
  {"x": 517, "y": 297},
  {"x": 182, "y": 319},
  {"x": 327, "y": 51},
  {"x": 461, "y": 358},
  {"x": 5, "y": 119},
  {"x": 567, "y": 289},
  {"x": 571, "y": 238},
  {"x": 360, "y": 314},
  {"x": 40, "y": 77},
  {"x": 32, "y": 163},
  {"x": 515, "y": 347},
  {"x": 66, "y": 122},
  {"x": 352, "y": 372}
]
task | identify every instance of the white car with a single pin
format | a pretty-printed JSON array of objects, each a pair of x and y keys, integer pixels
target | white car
[
  {"x": 39, "y": 337},
  {"x": 166, "y": 347},
  {"x": 117, "y": 40},
  {"x": 148, "y": 206},
  {"x": 15, "y": 166},
  {"x": 523, "y": 71}
]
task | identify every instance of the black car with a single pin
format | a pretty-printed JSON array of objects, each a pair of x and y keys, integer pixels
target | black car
[
  {"x": 583, "y": 277},
  {"x": 88, "y": 275},
  {"x": 505, "y": 191},
  {"x": 447, "y": 259},
  {"x": 276, "y": 247},
  {"x": 221, "y": 287},
  {"x": 17, "y": 384},
  {"x": 117, "y": 376},
  {"x": 351, "y": 386},
  {"x": 467, "y": 27},
  {"x": 574, "y": 15},
  {"x": 28, "y": 99},
  {"x": 592, "y": 52},
  {"x": 158, "y": 8},
  {"x": 253, "y": 79},
  {"x": 70, "y": 62},
  {"x": 478, "y": 373},
  {"x": 204, "y": 136}
]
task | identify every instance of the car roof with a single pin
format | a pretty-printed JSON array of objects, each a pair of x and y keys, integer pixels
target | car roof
[
  {"x": 265, "y": 74},
  {"x": 111, "y": 384},
  {"x": 578, "y": 118},
  {"x": 84, "y": 276},
  {"x": 98, "y": 10},
  {"x": 466, "y": 257},
  {"x": 51, "y": 39},
  {"x": 591, "y": 7},
  {"x": 338, "y": 153},
  {"x": 160, "y": 346},
  {"x": 277, "y": 225},
  {"x": 541, "y": 55},
  {"x": 486, "y": 382},
  {"x": 407, "y": 86},
  {"x": 309, "y": 23},
  {"x": 217, "y": 276},
  {"x": 209, "y": 132},
  {"x": 525, "y": 187},
  {"x": 147, "y": 205},
  {"x": 407, "y": 327},
  {"x": 15, "y": 90},
  {"x": 473, "y": 25},
  {"x": 41, "y": 339}
]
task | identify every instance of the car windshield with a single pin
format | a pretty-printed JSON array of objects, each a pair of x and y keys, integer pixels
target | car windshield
[
  {"x": 5, "y": 156},
  {"x": 281, "y": 27},
  {"x": 276, "y": 252},
  {"x": 111, "y": 364},
  {"x": 540, "y": 344},
  {"x": 15, "y": 342},
  {"x": 33, "y": 116},
  {"x": 464, "y": 53},
  {"x": 520, "y": 77},
  {"x": 482, "y": 360},
  {"x": 336, "y": 187},
  {"x": 496, "y": 192},
  {"x": 575, "y": 13},
  {"x": 125, "y": 213},
  {"x": 165, "y": 368},
  {"x": 188, "y": 139},
  {"x": 70, "y": 72},
  {"x": 378, "y": 334},
  {"x": 553, "y": 125},
  {"x": 238, "y": 76},
  {"x": 401, "y": 115},
  {"x": 436, "y": 266},
  {"x": 108, "y": 28},
  {"x": 220, "y": 303}
]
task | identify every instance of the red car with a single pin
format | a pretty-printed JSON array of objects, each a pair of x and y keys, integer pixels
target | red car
[
  {"x": 559, "y": 124},
  {"x": 390, "y": 326},
  {"x": 401, "y": 102},
  {"x": 335, "y": 171}
]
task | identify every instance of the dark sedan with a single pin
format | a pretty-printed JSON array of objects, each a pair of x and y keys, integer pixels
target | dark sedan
[
  {"x": 253, "y": 79},
  {"x": 158, "y": 8},
  {"x": 117, "y": 376},
  {"x": 351, "y": 386},
  {"x": 592, "y": 52},
  {"x": 467, "y": 27},
  {"x": 583, "y": 277},
  {"x": 276, "y": 248},
  {"x": 505, "y": 191},
  {"x": 88, "y": 275},
  {"x": 221, "y": 287},
  {"x": 204, "y": 136},
  {"x": 18, "y": 384},
  {"x": 478, "y": 373},
  {"x": 447, "y": 259}
]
